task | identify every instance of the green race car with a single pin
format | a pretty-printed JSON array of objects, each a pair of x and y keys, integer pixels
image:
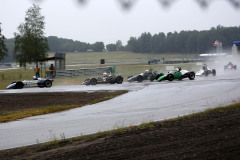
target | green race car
[{"x": 177, "y": 74}]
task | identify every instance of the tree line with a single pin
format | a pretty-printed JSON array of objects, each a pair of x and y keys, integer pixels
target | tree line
[
  {"x": 184, "y": 41},
  {"x": 173, "y": 42},
  {"x": 68, "y": 45}
]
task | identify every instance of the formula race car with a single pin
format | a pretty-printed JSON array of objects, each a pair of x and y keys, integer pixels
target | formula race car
[
  {"x": 205, "y": 71},
  {"x": 230, "y": 66},
  {"x": 35, "y": 82},
  {"x": 179, "y": 74},
  {"x": 147, "y": 75},
  {"x": 105, "y": 79}
]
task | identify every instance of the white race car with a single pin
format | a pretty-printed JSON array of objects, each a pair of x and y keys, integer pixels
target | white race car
[
  {"x": 35, "y": 82},
  {"x": 205, "y": 71}
]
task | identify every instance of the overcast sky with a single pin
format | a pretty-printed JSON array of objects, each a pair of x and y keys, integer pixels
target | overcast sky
[{"x": 106, "y": 21}]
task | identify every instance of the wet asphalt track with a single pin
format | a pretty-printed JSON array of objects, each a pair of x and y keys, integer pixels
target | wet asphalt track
[{"x": 147, "y": 101}]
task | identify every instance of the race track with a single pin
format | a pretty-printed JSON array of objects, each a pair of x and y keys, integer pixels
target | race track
[{"x": 147, "y": 101}]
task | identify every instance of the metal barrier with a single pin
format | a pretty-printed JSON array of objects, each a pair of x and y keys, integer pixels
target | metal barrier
[{"x": 84, "y": 71}]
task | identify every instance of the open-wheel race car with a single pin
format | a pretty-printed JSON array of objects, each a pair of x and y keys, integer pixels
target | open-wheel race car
[
  {"x": 178, "y": 73},
  {"x": 112, "y": 79},
  {"x": 35, "y": 82},
  {"x": 230, "y": 66},
  {"x": 205, "y": 71},
  {"x": 147, "y": 75}
]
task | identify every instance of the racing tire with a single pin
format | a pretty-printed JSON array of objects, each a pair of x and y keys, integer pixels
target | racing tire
[
  {"x": 214, "y": 72},
  {"x": 19, "y": 85},
  {"x": 93, "y": 81},
  {"x": 159, "y": 75},
  {"x": 205, "y": 73},
  {"x": 48, "y": 83},
  {"x": 119, "y": 80},
  {"x": 235, "y": 67},
  {"x": 112, "y": 81},
  {"x": 139, "y": 78},
  {"x": 191, "y": 75},
  {"x": 170, "y": 77}
]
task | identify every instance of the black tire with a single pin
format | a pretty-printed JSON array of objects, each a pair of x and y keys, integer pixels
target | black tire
[
  {"x": 206, "y": 73},
  {"x": 112, "y": 81},
  {"x": 139, "y": 78},
  {"x": 214, "y": 72},
  {"x": 235, "y": 67},
  {"x": 19, "y": 85},
  {"x": 191, "y": 75},
  {"x": 159, "y": 75},
  {"x": 225, "y": 67},
  {"x": 119, "y": 80},
  {"x": 170, "y": 77},
  {"x": 48, "y": 83},
  {"x": 93, "y": 81}
]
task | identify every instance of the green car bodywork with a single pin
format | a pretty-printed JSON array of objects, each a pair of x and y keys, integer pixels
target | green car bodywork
[{"x": 177, "y": 74}]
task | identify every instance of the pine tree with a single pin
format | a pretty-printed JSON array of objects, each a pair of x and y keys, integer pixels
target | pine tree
[{"x": 3, "y": 48}]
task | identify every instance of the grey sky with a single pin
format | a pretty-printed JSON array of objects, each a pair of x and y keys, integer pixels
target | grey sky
[{"x": 106, "y": 21}]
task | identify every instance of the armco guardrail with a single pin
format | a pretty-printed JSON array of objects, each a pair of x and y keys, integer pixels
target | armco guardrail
[
  {"x": 182, "y": 61},
  {"x": 84, "y": 71}
]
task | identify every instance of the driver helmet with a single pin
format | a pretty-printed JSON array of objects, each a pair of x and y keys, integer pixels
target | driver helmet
[
  {"x": 104, "y": 74},
  {"x": 34, "y": 77},
  {"x": 146, "y": 71},
  {"x": 204, "y": 67},
  {"x": 178, "y": 69}
]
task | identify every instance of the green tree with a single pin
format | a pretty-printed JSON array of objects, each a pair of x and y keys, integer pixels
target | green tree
[
  {"x": 3, "y": 48},
  {"x": 119, "y": 45},
  {"x": 98, "y": 46},
  {"x": 146, "y": 43},
  {"x": 133, "y": 45},
  {"x": 30, "y": 43},
  {"x": 111, "y": 47}
]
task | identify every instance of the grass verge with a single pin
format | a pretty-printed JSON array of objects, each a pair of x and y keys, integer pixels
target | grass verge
[{"x": 6, "y": 117}]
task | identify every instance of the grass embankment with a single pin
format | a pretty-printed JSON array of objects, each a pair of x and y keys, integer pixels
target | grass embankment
[
  {"x": 31, "y": 150},
  {"x": 11, "y": 116}
]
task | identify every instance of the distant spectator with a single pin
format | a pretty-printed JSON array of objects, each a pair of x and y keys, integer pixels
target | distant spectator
[
  {"x": 52, "y": 70},
  {"x": 37, "y": 71}
]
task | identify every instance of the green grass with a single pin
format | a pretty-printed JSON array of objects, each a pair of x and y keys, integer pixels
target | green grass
[
  {"x": 94, "y": 57},
  {"x": 7, "y": 77}
]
